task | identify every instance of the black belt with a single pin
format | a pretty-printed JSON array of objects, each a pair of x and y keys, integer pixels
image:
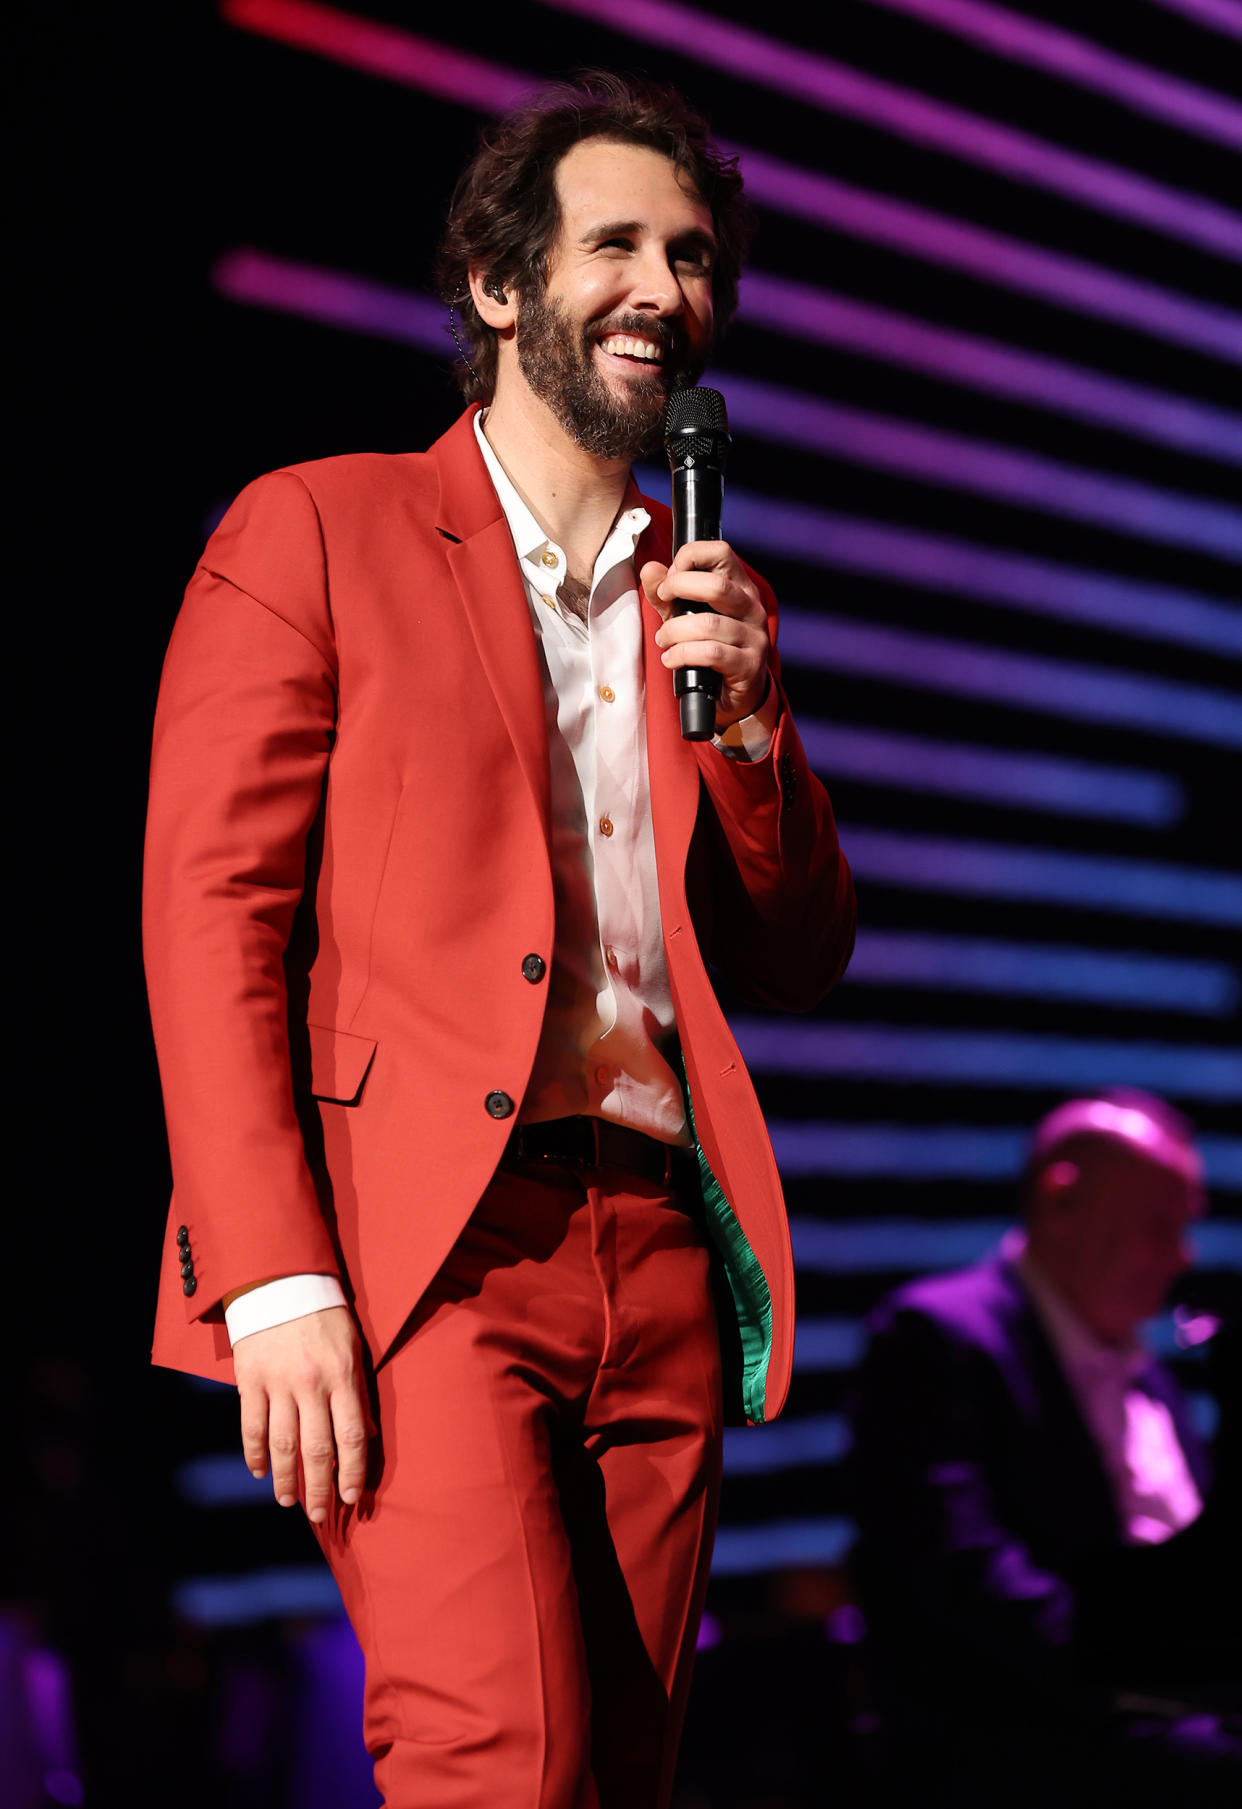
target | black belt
[{"x": 583, "y": 1142}]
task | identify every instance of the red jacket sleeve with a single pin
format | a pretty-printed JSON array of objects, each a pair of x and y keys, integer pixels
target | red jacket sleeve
[
  {"x": 782, "y": 910},
  {"x": 243, "y": 728}
]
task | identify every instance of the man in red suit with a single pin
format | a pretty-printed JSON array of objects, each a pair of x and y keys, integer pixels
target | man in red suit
[{"x": 462, "y": 1145}]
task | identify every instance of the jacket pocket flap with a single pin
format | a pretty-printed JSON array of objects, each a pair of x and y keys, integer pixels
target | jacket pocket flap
[{"x": 339, "y": 1062}]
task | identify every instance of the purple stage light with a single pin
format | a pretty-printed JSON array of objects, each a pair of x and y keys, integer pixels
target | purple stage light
[
  {"x": 1047, "y": 687},
  {"x": 1008, "y": 778},
  {"x": 1116, "y": 884},
  {"x": 817, "y": 1438},
  {"x": 794, "y": 70},
  {"x": 911, "y": 1246},
  {"x": 1214, "y": 15},
  {"x": 1053, "y": 276},
  {"x": 333, "y": 297},
  {"x": 905, "y": 1053},
  {"x": 780, "y": 1545},
  {"x": 826, "y": 1344},
  {"x": 1084, "y": 63},
  {"x": 966, "y": 359},
  {"x": 1127, "y": 979},
  {"x": 931, "y": 456},
  {"x": 968, "y": 1153}
]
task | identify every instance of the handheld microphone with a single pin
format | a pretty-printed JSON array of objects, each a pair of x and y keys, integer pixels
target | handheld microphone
[{"x": 696, "y": 439}]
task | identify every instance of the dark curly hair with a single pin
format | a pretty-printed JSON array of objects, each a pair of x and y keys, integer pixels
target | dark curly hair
[{"x": 504, "y": 216}]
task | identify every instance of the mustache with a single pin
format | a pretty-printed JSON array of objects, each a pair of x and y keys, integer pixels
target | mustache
[{"x": 667, "y": 334}]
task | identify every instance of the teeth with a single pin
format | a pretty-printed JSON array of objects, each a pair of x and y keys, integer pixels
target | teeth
[{"x": 621, "y": 346}]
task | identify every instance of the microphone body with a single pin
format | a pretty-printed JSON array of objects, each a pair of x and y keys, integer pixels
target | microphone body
[{"x": 696, "y": 439}]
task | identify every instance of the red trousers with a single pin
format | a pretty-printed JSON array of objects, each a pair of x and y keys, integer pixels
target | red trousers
[{"x": 527, "y": 1576}]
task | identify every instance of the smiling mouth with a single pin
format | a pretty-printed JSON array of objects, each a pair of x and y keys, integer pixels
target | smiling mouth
[{"x": 644, "y": 353}]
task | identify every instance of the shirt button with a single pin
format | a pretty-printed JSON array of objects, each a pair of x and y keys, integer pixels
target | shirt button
[
  {"x": 608, "y": 694},
  {"x": 601, "y": 1075},
  {"x": 550, "y": 601},
  {"x": 548, "y": 559},
  {"x": 605, "y": 826},
  {"x": 610, "y": 955}
]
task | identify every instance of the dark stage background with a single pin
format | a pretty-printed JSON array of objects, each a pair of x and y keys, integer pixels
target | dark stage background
[{"x": 987, "y": 413}]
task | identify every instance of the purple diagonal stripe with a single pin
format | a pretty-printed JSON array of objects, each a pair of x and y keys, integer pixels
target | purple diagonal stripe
[
  {"x": 1020, "y": 780},
  {"x": 937, "y": 562},
  {"x": 986, "y": 1058},
  {"x": 1127, "y": 978},
  {"x": 1015, "y": 681},
  {"x": 1214, "y": 15},
  {"x": 972, "y": 362},
  {"x": 1055, "y": 277},
  {"x": 1111, "y": 883},
  {"x": 905, "y": 113},
  {"x": 1087, "y": 65},
  {"x": 332, "y": 297},
  {"x": 932, "y": 456},
  {"x": 1021, "y": 681}
]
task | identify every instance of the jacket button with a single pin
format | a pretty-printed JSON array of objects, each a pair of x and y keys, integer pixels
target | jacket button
[
  {"x": 499, "y": 1105},
  {"x": 188, "y": 1285},
  {"x": 187, "y": 1268},
  {"x": 533, "y": 968},
  {"x": 183, "y": 1235}
]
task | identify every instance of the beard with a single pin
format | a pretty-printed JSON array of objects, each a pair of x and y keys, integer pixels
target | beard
[{"x": 555, "y": 357}]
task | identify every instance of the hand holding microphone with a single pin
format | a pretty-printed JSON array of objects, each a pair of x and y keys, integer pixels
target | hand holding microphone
[{"x": 715, "y": 632}]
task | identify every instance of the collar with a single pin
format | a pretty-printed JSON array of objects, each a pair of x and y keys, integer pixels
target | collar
[{"x": 529, "y": 538}]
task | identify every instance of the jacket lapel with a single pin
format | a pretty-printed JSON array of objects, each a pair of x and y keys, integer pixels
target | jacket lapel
[{"x": 484, "y": 567}]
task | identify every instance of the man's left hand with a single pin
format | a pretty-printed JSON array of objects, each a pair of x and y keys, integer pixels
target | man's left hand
[{"x": 728, "y": 630}]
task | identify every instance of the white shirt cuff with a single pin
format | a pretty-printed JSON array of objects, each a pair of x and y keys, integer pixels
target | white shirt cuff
[
  {"x": 751, "y": 738},
  {"x": 276, "y": 1302}
]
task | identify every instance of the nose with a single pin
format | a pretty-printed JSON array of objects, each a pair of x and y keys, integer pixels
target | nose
[{"x": 656, "y": 289}]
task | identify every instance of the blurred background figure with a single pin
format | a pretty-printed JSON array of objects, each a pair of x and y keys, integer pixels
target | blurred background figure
[{"x": 1041, "y": 1581}]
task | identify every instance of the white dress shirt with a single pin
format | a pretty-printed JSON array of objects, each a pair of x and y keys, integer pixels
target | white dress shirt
[
  {"x": 608, "y": 1028},
  {"x": 1134, "y": 1432}
]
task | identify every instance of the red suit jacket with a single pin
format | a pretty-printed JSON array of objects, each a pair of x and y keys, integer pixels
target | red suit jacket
[{"x": 347, "y": 862}]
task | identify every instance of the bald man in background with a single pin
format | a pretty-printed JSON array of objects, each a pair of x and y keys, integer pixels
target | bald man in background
[{"x": 1013, "y": 1441}]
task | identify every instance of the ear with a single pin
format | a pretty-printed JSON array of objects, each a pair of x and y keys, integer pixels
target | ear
[
  {"x": 494, "y": 313},
  {"x": 1055, "y": 1185}
]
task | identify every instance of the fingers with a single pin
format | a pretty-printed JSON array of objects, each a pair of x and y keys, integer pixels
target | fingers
[
  {"x": 349, "y": 1417},
  {"x": 318, "y": 1458},
  {"x": 706, "y": 575},
  {"x": 328, "y": 1436},
  {"x": 254, "y": 1423},
  {"x": 303, "y": 1408},
  {"x": 282, "y": 1441},
  {"x": 651, "y": 577}
]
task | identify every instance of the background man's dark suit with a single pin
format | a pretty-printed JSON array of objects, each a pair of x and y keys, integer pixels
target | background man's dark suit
[{"x": 986, "y": 1514}]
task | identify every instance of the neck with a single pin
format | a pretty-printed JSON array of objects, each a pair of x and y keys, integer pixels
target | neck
[
  {"x": 573, "y": 495},
  {"x": 1060, "y": 1273}
]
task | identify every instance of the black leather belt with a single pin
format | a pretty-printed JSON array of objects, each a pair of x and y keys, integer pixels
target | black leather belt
[{"x": 583, "y": 1142}]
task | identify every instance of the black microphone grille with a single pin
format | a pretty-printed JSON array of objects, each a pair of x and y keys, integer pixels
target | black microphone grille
[{"x": 698, "y": 410}]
